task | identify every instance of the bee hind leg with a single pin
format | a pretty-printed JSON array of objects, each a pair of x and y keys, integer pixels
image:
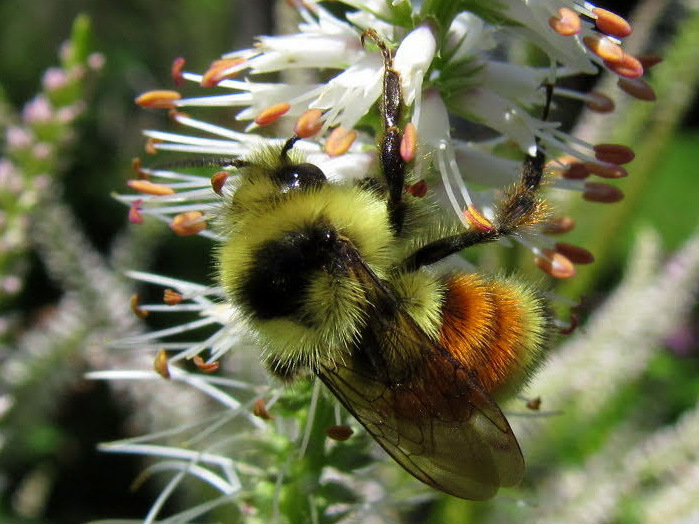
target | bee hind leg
[{"x": 520, "y": 208}]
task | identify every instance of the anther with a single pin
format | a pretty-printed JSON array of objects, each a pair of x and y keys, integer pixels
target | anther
[
  {"x": 205, "y": 367},
  {"x": 611, "y": 23},
  {"x": 418, "y": 189},
  {"x": 151, "y": 146},
  {"x": 629, "y": 66},
  {"x": 576, "y": 171},
  {"x": 567, "y": 23},
  {"x": 558, "y": 225},
  {"x": 604, "y": 48},
  {"x": 220, "y": 70},
  {"x": 176, "y": 115},
  {"x": 339, "y": 141},
  {"x": 637, "y": 88},
  {"x": 476, "y": 219},
  {"x": 576, "y": 254},
  {"x": 408, "y": 143},
  {"x": 176, "y": 71},
  {"x": 534, "y": 404},
  {"x": 614, "y": 153},
  {"x": 149, "y": 188},
  {"x": 599, "y": 103},
  {"x": 259, "y": 409},
  {"x": 159, "y": 99},
  {"x": 136, "y": 308},
  {"x": 602, "y": 193},
  {"x": 135, "y": 216},
  {"x": 574, "y": 322},
  {"x": 555, "y": 264},
  {"x": 137, "y": 166},
  {"x": 218, "y": 180},
  {"x": 648, "y": 61},
  {"x": 172, "y": 297},
  {"x": 189, "y": 223},
  {"x": 309, "y": 123},
  {"x": 271, "y": 114},
  {"x": 606, "y": 170},
  {"x": 339, "y": 433},
  {"x": 160, "y": 364}
]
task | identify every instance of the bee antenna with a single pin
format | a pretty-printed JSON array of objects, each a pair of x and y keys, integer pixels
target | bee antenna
[
  {"x": 287, "y": 147},
  {"x": 372, "y": 35},
  {"x": 204, "y": 162}
]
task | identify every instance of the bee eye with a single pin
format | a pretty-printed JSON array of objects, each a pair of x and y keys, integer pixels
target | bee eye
[{"x": 299, "y": 176}]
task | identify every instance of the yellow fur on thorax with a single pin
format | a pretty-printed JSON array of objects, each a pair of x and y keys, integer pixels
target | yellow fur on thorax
[{"x": 333, "y": 303}]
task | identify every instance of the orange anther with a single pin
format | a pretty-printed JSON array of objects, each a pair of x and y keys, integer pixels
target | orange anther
[
  {"x": 259, "y": 409},
  {"x": 205, "y": 367},
  {"x": 136, "y": 308},
  {"x": 576, "y": 254},
  {"x": 177, "y": 115},
  {"x": 408, "y": 144},
  {"x": 604, "y": 48},
  {"x": 614, "y": 153},
  {"x": 476, "y": 219},
  {"x": 272, "y": 114},
  {"x": 629, "y": 66},
  {"x": 151, "y": 148},
  {"x": 220, "y": 70},
  {"x": 160, "y": 99},
  {"x": 172, "y": 297},
  {"x": 149, "y": 188},
  {"x": 160, "y": 364},
  {"x": 135, "y": 216},
  {"x": 309, "y": 123},
  {"x": 611, "y": 24},
  {"x": 606, "y": 170},
  {"x": 567, "y": 23},
  {"x": 137, "y": 166},
  {"x": 339, "y": 141},
  {"x": 218, "y": 180},
  {"x": 418, "y": 189},
  {"x": 637, "y": 88},
  {"x": 339, "y": 433},
  {"x": 555, "y": 264},
  {"x": 558, "y": 225},
  {"x": 189, "y": 223},
  {"x": 602, "y": 193},
  {"x": 176, "y": 71},
  {"x": 599, "y": 103}
]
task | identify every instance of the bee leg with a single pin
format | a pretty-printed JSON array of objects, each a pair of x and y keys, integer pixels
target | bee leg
[
  {"x": 392, "y": 163},
  {"x": 519, "y": 208}
]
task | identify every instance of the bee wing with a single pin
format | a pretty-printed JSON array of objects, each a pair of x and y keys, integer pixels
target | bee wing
[
  {"x": 458, "y": 442},
  {"x": 438, "y": 424}
]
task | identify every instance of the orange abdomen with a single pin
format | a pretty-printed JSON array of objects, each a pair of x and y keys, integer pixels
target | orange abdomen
[{"x": 497, "y": 329}]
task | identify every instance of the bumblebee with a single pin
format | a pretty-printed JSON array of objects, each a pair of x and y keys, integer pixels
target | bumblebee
[{"x": 337, "y": 280}]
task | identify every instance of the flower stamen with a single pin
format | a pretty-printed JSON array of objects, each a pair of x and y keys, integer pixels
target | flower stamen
[
  {"x": 188, "y": 223},
  {"x": 159, "y": 99}
]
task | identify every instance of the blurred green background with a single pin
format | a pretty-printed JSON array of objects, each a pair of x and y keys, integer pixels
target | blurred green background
[{"x": 51, "y": 419}]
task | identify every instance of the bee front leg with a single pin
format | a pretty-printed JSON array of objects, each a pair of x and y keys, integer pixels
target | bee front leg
[{"x": 392, "y": 163}]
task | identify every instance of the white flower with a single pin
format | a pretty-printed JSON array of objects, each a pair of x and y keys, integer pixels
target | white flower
[{"x": 448, "y": 68}]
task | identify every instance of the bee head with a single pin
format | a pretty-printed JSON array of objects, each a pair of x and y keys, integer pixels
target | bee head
[{"x": 298, "y": 177}]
